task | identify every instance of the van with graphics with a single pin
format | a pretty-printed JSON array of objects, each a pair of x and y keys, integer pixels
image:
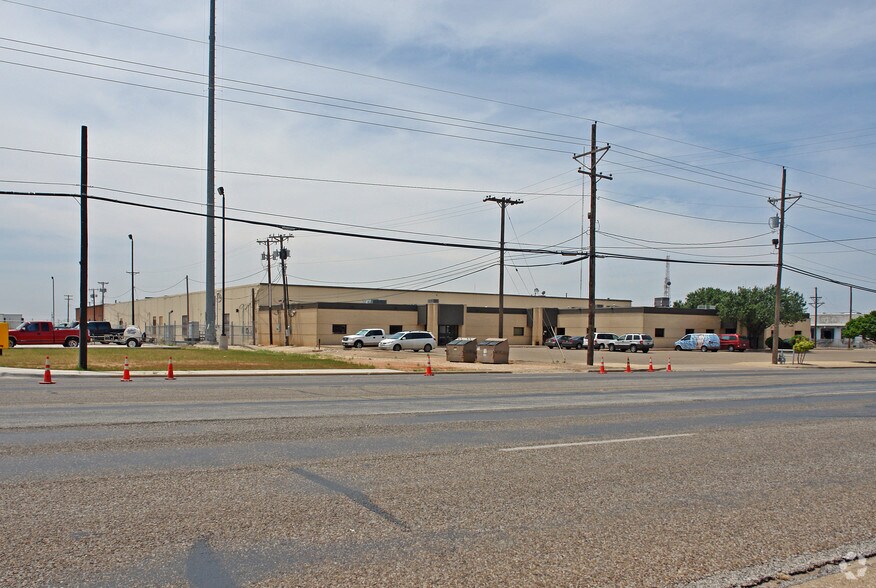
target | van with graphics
[{"x": 702, "y": 341}]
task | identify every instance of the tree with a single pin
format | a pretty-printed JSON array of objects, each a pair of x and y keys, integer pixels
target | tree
[
  {"x": 754, "y": 308},
  {"x": 705, "y": 296},
  {"x": 864, "y": 326}
]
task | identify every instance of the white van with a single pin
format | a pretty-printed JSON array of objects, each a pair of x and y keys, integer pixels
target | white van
[{"x": 702, "y": 341}]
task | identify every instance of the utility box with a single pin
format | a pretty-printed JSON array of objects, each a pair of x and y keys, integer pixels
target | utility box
[
  {"x": 493, "y": 351},
  {"x": 462, "y": 350},
  {"x": 193, "y": 333}
]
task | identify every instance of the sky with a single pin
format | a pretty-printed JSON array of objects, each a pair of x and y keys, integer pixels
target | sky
[{"x": 397, "y": 119}]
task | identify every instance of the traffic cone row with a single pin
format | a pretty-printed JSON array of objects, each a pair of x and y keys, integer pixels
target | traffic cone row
[
  {"x": 428, "y": 366},
  {"x": 126, "y": 375},
  {"x": 629, "y": 368},
  {"x": 47, "y": 375}
]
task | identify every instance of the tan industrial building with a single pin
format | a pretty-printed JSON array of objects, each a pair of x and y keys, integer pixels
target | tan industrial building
[{"x": 319, "y": 315}]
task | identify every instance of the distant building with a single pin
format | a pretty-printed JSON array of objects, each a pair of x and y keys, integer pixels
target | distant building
[
  {"x": 829, "y": 330},
  {"x": 13, "y": 320}
]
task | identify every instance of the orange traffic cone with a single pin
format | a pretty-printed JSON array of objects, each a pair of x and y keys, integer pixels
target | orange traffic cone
[
  {"x": 126, "y": 375},
  {"x": 429, "y": 366},
  {"x": 47, "y": 375},
  {"x": 668, "y": 364},
  {"x": 650, "y": 365},
  {"x": 602, "y": 366},
  {"x": 628, "y": 370},
  {"x": 169, "y": 369}
]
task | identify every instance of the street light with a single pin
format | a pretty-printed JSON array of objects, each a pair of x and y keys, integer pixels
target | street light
[
  {"x": 53, "y": 299},
  {"x": 223, "y": 343},
  {"x": 131, "y": 237}
]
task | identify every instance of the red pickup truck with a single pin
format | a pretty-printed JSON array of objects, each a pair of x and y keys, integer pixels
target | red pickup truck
[{"x": 43, "y": 333}]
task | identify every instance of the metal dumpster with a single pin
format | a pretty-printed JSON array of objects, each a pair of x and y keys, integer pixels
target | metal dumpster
[
  {"x": 493, "y": 351},
  {"x": 462, "y": 350}
]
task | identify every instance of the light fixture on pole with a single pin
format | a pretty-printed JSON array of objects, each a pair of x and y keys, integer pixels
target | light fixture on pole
[
  {"x": 223, "y": 338},
  {"x": 131, "y": 237}
]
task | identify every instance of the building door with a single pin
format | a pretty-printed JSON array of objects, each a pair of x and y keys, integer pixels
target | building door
[{"x": 447, "y": 333}]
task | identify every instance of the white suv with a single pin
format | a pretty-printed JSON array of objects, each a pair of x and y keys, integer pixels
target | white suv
[{"x": 416, "y": 340}]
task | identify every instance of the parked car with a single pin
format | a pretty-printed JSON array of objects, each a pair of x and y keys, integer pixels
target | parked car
[
  {"x": 702, "y": 341},
  {"x": 575, "y": 342},
  {"x": 416, "y": 340},
  {"x": 734, "y": 342},
  {"x": 603, "y": 340},
  {"x": 556, "y": 341},
  {"x": 632, "y": 342},
  {"x": 363, "y": 337}
]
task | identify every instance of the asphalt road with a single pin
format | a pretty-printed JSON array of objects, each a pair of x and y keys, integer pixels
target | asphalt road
[{"x": 464, "y": 480}]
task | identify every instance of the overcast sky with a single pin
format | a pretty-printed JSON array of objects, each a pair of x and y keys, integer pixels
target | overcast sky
[{"x": 398, "y": 118}]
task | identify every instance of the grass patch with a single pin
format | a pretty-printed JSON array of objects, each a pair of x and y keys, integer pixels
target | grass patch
[{"x": 184, "y": 359}]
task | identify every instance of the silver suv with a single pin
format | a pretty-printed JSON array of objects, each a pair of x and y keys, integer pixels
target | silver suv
[
  {"x": 416, "y": 340},
  {"x": 632, "y": 343}
]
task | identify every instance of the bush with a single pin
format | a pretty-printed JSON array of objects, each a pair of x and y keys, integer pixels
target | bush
[{"x": 801, "y": 347}]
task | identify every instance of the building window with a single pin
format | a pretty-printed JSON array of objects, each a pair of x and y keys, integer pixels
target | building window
[
  {"x": 561, "y": 330},
  {"x": 710, "y": 330},
  {"x": 339, "y": 329},
  {"x": 518, "y": 331},
  {"x": 659, "y": 332},
  {"x": 827, "y": 334},
  {"x": 395, "y": 329},
  {"x": 688, "y": 331},
  {"x": 798, "y": 332}
]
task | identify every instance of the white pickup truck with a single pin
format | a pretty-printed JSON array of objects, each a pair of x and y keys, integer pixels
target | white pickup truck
[{"x": 364, "y": 337}]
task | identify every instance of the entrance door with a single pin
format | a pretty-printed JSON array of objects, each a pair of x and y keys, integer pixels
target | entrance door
[{"x": 447, "y": 333}]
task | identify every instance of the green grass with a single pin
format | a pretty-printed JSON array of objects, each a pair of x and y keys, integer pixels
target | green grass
[{"x": 184, "y": 359}]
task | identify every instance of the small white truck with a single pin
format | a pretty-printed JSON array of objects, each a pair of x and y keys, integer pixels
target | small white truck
[{"x": 363, "y": 338}]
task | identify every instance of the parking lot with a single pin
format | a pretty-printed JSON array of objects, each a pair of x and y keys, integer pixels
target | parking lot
[{"x": 542, "y": 359}]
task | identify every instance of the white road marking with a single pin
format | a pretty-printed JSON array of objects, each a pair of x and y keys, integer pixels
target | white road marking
[{"x": 602, "y": 442}]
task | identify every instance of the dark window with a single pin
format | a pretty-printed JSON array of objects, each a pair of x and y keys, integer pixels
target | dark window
[
  {"x": 518, "y": 331},
  {"x": 659, "y": 332},
  {"x": 561, "y": 330},
  {"x": 688, "y": 331},
  {"x": 45, "y": 327},
  {"x": 827, "y": 333},
  {"x": 373, "y": 333},
  {"x": 710, "y": 330},
  {"x": 339, "y": 329},
  {"x": 395, "y": 329},
  {"x": 798, "y": 332}
]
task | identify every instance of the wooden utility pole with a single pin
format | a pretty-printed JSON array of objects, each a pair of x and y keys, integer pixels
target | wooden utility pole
[
  {"x": 777, "y": 318},
  {"x": 503, "y": 203},
  {"x": 267, "y": 243},
  {"x": 815, "y": 304},
  {"x": 591, "y": 255}
]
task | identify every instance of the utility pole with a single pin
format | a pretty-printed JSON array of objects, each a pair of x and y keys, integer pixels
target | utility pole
[
  {"x": 267, "y": 243},
  {"x": 594, "y": 177},
  {"x": 283, "y": 254},
  {"x": 94, "y": 304},
  {"x": 103, "y": 292},
  {"x": 503, "y": 204},
  {"x": 68, "y": 298},
  {"x": 83, "y": 249},
  {"x": 777, "y": 318},
  {"x": 210, "y": 310},
  {"x": 815, "y": 304},
  {"x": 850, "y": 314}
]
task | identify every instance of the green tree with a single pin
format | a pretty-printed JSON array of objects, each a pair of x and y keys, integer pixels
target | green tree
[
  {"x": 754, "y": 308},
  {"x": 702, "y": 296},
  {"x": 864, "y": 326}
]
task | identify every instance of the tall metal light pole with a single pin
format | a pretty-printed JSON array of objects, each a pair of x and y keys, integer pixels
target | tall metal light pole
[
  {"x": 210, "y": 310},
  {"x": 53, "y": 299},
  {"x": 131, "y": 237},
  {"x": 223, "y": 338}
]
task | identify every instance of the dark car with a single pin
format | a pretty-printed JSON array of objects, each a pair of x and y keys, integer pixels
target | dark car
[
  {"x": 557, "y": 341},
  {"x": 574, "y": 342}
]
